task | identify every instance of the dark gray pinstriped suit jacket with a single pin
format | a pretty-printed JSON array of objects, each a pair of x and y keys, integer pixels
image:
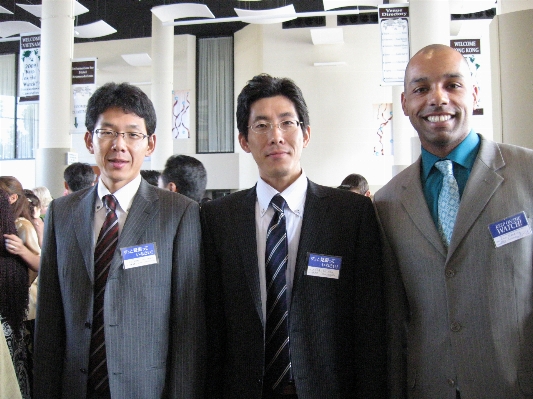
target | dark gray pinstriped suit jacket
[
  {"x": 336, "y": 326},
  {"x": 154, "y": 314}
]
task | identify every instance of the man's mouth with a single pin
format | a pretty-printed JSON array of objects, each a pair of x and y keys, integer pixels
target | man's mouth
[{"x": 438, "y": 118}]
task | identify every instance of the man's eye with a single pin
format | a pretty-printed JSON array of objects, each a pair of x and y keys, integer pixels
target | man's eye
[
  {"x": 288, "y": 123},
  {"x": 107, "y": 133},
  {"x": 134, "y": 136},
  {"x": 261, "y": 126}
]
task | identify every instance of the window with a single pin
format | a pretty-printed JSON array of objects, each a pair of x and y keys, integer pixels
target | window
[
  {"x": 18, "y": 134},
  {"x": 214, "y": 126}
]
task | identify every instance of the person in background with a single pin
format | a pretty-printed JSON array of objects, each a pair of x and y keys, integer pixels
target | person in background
[
  {"x": 35, "y": 213},
  {"x": 356, "y": 183},
  {"x": 185, "y": 175},
  {"x": 44, "y": 197},
  {"x": 78, "y": 176},
  {"x": 151, "y": 176},
  {"x": 295, "y": 307},
  {"x": 121, "y": 301},
  {"x": 23, "y": 245},
  {"x": 458, "y": 247}
]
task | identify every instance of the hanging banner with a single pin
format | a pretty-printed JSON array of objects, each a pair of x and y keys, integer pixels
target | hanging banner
[
  {"x": 181, "y": 114},
  {"x": 83, "y": 87},
  {"x": 471, "y": 50},
  {"x": 394, "y": 26},
  {"x": 29, "y": 67}
]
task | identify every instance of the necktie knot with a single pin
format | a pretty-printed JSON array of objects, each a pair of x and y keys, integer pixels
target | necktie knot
[
  {"x": 445, "y": 167},
  {"x": 110, "y": 202},
  {"x": 278, "y": 203}
]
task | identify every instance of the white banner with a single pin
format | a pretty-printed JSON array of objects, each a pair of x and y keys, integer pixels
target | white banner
[
  {"x": 181, "y": 115},
  {"x": 29, "y": 67},
  {"x": 394, "y": 25},
  {"x": 83, "y": 87}
]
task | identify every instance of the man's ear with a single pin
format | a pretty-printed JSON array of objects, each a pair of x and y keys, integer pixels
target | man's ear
[
  {"x": 244, "y": 143},
  {"x": 89, "y": 142}
]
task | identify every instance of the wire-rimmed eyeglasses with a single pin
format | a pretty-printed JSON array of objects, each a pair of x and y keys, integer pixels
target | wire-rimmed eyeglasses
[
  {"x": 108, "y": 134},
  {"x": 263, "y": 127}
]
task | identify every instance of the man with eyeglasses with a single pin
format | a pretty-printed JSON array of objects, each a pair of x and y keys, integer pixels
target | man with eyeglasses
[
  {"x": 294, "y": 303},
  {"x": 121, "y": 299}
]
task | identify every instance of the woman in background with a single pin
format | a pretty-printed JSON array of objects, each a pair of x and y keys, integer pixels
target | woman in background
[
  {"x": 35, "y": 213},
  {"x": 25, "y": 244},
  {"x": 44, "y": 196},
  {"x": 14, "y": 379}
]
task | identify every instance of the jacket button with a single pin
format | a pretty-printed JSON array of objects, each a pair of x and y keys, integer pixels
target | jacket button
[
  {"x": 450, "y": 273},
  {"x": 455, "y": 327},
  {"x": 84, "y": 371},
  {"x": 451, "y": 382},
  {"x": 88, "y": 324}
]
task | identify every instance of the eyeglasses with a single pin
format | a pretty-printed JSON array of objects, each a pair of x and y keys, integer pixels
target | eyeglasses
[
  {"x": 262, "y": 127},
  {"x": 130, "y": 137}
]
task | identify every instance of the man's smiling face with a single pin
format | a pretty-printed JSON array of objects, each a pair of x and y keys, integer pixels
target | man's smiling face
[{"x": 439, "y": 98}]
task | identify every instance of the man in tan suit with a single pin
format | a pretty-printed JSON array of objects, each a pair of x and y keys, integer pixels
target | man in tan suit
[{"x": 460, "y": 305}]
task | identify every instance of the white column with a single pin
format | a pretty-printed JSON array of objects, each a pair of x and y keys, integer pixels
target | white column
[
  {"x": 429, "y": 23},
  {"x": 162, "y": 85},
  {"x": 57, "y": 42}
]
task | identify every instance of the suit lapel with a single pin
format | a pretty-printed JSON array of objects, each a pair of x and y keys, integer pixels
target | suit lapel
[
  {"x": 315, "y": 212},
  {"x": 414, "y": 202},
  {"x": 85, "y": 236},
  {"x": 245, "y": 222},
  {"x": 481, "y": 186},
  {"x": 142, "y": 210}
]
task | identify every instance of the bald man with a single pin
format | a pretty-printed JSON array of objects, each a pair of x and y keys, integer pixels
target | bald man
[{"x": 458, "y": 278}]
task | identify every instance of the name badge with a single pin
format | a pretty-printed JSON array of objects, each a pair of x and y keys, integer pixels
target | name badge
[
  {"x": 139, "y": 255},
  {"x": 510, "y": 229},
  {"x": 324, "y": 266}
]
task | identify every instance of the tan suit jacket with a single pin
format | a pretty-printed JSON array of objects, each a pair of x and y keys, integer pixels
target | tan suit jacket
[{"x": 460, "y": 318}]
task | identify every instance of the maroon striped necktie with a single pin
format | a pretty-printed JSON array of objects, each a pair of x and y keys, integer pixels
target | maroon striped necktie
[{"x": 103, "y": 254}]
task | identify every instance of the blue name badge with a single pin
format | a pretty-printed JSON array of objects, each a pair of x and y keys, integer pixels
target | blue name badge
[
  {"x": 510, "y": 229},
  {"x": 324, "y": 266},
  {"x": 139, "y": 255}
]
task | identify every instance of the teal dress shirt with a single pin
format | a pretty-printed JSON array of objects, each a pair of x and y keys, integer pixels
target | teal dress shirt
[{"x": 463, "y": 157}]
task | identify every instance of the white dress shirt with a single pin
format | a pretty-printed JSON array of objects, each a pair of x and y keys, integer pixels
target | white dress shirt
[
  {"x": 124, "y": 198},
  {"x": 294, "y": 196}
]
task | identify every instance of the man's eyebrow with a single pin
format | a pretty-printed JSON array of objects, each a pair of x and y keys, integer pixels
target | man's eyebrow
[
  {"x": 282, "y": 115},
  {"x": 452, "y": 75}
]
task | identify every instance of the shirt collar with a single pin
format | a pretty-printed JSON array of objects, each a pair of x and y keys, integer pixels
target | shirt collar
[
  {"x": 464, "y": 154},
  {"x": 124, "y": 195},
  {"x": 294, "y": 195}
]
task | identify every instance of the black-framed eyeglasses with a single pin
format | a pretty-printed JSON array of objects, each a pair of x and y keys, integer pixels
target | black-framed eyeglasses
[
  {"x": 262, "y": 127},
  {"x": 108, "y": 134}
]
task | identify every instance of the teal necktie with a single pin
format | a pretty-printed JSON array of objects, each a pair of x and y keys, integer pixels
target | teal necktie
[{"x": 448, "y": 203}]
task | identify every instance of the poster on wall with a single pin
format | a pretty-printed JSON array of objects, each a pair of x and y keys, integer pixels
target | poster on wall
[
  {"x": 394, "y": 28},
  {"x": 471, "y": 50},
  {"x": 181, "y": 114},
  {"x": 83, "y": 87},
  {"x": 29, "y": 67},
  {"x": 382, "y": 118}
]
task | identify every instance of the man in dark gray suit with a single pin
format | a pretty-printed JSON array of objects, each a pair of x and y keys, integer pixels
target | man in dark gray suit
[
  {"x": 460, "y": 294},
  {"x": 326, "y": 288},
  {"x": 140, "y": 331}
]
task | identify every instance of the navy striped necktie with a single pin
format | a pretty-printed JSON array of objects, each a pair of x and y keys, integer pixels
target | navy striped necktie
[
  {"x": 277, "y": 355},
  {"x": 103, "y": 254}
]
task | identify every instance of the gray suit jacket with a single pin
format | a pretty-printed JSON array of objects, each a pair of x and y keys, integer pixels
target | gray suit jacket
[
  {"x": 336, "y": 327},
  {"x": 466, "y": 314},
  {"x": 154, "y": 314}
]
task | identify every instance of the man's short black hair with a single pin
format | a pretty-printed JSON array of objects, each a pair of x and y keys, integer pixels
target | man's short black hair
[
  {"x": 128, "y": 98},
  {"x": 356, "y": 182},
  {"x": 79, "y": 176},
  {"x": 263, "y": 86},
  {"x": 188, "y": 174},
  {"x": 151, "y": 176}
]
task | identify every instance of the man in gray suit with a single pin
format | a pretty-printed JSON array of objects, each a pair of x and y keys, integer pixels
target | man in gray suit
[
  {"x": 150, "y": 328},
  {"x": 326, "y": 288},
  {"x": 460, "y": 295}
]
